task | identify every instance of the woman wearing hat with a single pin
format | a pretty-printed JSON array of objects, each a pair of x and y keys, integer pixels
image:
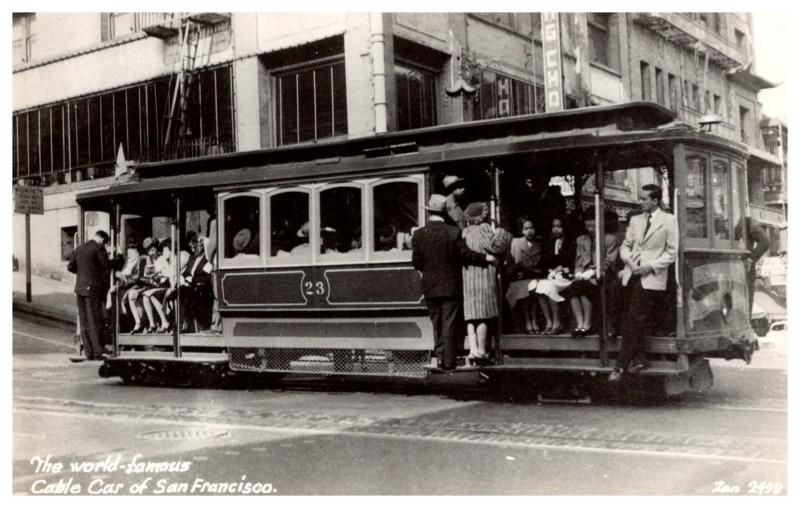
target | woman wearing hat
[
  {"x": 154, "y": 297},
  {"x": 481, "y": 304}
]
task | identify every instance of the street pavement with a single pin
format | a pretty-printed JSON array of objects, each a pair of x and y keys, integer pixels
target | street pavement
[{"x": 312, "y": 437}]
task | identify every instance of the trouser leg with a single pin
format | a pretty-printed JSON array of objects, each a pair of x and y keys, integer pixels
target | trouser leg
[
  {"x": 452, "y": 330},
  {"x": 637, "y": 321},
  {"x": 82, "y": 319},
  {"x": 435, "y": 314},
  {"x": 94, "y": 320}
]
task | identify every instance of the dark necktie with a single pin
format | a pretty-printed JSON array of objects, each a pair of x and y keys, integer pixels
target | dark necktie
[{"x": 646, "y": 226}]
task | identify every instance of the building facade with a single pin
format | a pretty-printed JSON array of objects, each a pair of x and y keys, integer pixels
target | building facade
[{"x": 161, "y": 86}]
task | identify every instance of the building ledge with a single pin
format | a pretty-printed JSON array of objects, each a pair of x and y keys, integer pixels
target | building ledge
[
  {"x": 749, "y": 80},
  {"x": 128, "y": 38}
]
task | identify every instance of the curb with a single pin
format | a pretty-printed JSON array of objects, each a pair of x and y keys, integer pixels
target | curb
[{"x": 44, "y": 313}]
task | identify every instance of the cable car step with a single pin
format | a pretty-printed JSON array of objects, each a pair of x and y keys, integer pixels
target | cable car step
[{"x": 186, "y": 357}]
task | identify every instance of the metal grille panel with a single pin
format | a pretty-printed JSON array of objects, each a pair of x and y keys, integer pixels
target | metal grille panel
[{"x": 354, "y": 362}]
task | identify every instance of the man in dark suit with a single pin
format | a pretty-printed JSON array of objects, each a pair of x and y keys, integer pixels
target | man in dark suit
[
  {"x": 439, "y": 252},
  {"x": 91, "y": 265},
  {"x": 198, "y": 297}
]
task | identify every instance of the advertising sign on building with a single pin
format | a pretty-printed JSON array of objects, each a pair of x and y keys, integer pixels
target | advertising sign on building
[{"x": 551, "y": 44}]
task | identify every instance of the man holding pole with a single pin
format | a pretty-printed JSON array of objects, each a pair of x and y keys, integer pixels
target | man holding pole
[{"x": 91, "y": 265}]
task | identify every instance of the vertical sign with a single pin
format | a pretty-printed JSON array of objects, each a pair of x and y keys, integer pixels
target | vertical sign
[
  {"x": 551, "y": 46},
  {"x": 28, "y": 200}
]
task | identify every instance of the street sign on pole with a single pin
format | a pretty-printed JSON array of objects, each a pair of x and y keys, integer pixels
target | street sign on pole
[{"x": 28, "y": 200}]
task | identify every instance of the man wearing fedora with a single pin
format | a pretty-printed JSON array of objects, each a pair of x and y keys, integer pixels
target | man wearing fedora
[
  {"x": 439, "y": 252},
  {"x": 92, "y": 267},
  {"x": 454, "y": 190}
]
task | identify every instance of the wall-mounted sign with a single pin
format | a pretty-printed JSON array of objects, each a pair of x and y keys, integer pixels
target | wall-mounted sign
[{"x": 551, "y": 45}]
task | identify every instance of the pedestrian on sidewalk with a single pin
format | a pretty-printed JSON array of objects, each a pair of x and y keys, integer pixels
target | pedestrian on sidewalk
[
  {"x": 91, "y": 265},
  {"x": 439, "y": 252}
]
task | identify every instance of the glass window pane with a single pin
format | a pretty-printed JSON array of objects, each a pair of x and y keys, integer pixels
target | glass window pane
[
  {"x": 44, "y": 124},
  {"x": 396, "y": 212},
  {"x": 305, "y": 84},
  {"x": 339, "y": 100},
  {"x": 289, "y": 229},
  {"x": 33, "y": 142},
  {"x": 322, "y": 79},
  {"x": 720, "y": 180},
  {"x": 696, "y": 220},
  {"x": 288, "y": 109},
  {"x": 340, "y": 221},
  {"x": 736, "y": 198},
  {"x": 242, "y": 228},
  {"x": 224, "y": 106}
]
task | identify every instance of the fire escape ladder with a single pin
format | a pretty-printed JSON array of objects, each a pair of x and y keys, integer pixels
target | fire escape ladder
[{"x": 189, "y": 38}]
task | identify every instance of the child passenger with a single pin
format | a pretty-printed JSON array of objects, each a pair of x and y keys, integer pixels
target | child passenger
[{"x": 524, "y": 270}]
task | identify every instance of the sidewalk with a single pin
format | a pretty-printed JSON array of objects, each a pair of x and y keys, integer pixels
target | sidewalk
[{"x": 50, "y": 299}]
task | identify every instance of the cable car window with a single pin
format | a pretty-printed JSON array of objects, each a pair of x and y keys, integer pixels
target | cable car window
[
  {"x": 340, "y": 229},
  {"x": 242, "y": 229},
  {"x": 289, "y": 229},
  {"x": 396, "y": 214},
  {"x": 696, "y": 218},
  {"x": 736, "y": 202},
  {"x": 720, "y": 181}
]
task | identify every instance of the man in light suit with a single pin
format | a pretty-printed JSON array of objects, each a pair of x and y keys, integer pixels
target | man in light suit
[{"x": 649, "y": 248}]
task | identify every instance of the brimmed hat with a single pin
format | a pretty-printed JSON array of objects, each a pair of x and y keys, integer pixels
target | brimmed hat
[
  {"x": 476, "y": 213},
  {"x": 451, "y": 183},
  {"x": 241, "y": 239},
  {"x": 437, "y": 203},
  {"x": 303, "y": 231},
  {"x": 102, "y": 234},
  {"x": 147, "y": 244}
]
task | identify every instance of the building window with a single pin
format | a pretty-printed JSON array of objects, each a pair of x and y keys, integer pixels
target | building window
[
  {"x": 501, "y": 96},
  {"x": 24, "y": 37},
  {"x": 312, "y": 104},
  {"x": 599, "y": 35},
  {"x": 68, "y": 242},
  {"x": 674, "y": 93},
  {"x": 660, "y": 87},
  {"x": 707, "y": 104},
  {"x": 524, "y": 22},
  {"x": 717, "y": 105},
  {"x": 740, "y": 38},
  {"x": 744, "y": 123},
  {"x": 83, "y": 135},
  {"x": 696, "y": 97},
  {"x": 716, "y": 22},
  {"x": 644, "y": 69},
  {"x": 686, "y": 96},
  {"x": 416, "y": 97}
]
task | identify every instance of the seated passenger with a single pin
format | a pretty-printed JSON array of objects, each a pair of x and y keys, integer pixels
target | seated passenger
[
  {"x": 558, "y": 258},
  {"x": 583, "y": 290},
  {"x": 524, "y": 271},
  {"x": 302, "y": 247},
  {"x": 245, "y": 247},
  {"x": 154, "y": 297},
  {"x": 129, "y": 276}
]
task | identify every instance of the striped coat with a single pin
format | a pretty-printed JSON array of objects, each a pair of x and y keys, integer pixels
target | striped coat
[{"x": 480, "y": 283}]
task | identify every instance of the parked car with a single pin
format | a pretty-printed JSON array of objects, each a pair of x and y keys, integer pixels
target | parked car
[{"x": 777, "y": 337}]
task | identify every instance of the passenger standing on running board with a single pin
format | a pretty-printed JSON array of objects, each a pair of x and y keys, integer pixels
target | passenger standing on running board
[{"x": 648, "y": 250}]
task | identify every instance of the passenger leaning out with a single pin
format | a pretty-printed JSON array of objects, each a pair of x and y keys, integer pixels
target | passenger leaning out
[{"x": 559, "y": 256}]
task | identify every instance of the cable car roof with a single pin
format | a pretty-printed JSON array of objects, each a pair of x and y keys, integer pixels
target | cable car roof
[{"x": 587, "y": 129}]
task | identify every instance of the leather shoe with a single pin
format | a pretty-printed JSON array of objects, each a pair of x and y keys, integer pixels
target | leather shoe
[{"x": 616, "y": 375}]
